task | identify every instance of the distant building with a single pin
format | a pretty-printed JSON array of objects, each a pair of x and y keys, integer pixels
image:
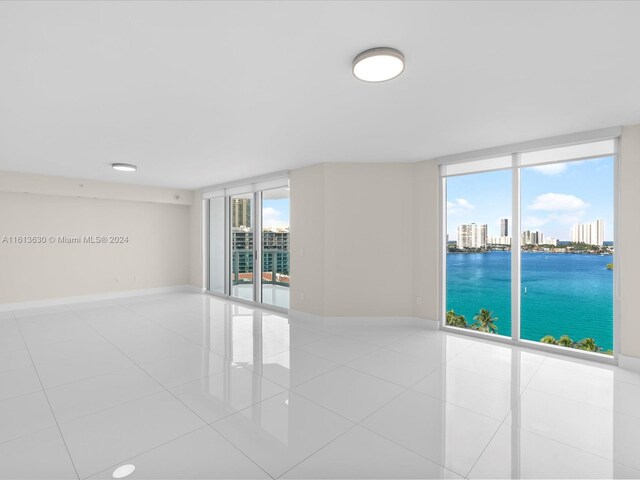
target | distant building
[
  {"x": 501, "y": 240},
  {"x": 242, "y": 250},
  {"x": 504, "y": 227},
  {"x": 240, "y": 212},
  {"x": 532, "y": 238},
  {"x": 589, "y": 233},
  {"x": 275, "y": 250},
  {"x": 472, "y": 235},
  {"x": 552, "y": 241}
]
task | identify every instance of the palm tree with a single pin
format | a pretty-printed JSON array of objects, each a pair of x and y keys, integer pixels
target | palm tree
[
  {"x": 484, "y": 321},
  {"x": 549, "y": 339},
  {"x": 456, "y": 320},
  {"x": 565, "y": 341},
  {"x": 588, "y": 344}
]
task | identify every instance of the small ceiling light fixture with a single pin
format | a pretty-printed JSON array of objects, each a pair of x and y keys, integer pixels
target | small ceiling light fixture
[
  {"x": 378, "y": 64},
  {"x": 123, "y": 471},
  {"x": 124, "y": 167}
]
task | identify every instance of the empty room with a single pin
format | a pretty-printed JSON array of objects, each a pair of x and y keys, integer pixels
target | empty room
[{"x": 319, "y": 239}]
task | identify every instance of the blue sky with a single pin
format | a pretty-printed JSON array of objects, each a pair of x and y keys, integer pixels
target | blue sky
[
  {"x": 275, "y": 212},
  {"x": 553, "y": 198}
]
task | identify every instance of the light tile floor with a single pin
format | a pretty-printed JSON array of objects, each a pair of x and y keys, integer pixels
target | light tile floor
[{"x": 190, "y": 386}]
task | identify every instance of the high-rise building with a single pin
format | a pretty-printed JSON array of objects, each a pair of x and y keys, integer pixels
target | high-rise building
[
  {"x": 552, "y": 241},
  {"x": 472, "y": 235},
  {"x": 240, "y": 212},
  {"x": 275, "y": 250},
  {"x": 589, "y": 233},
  {"x": 504, "y": 227},
  {"x": 532, "y": 238}
]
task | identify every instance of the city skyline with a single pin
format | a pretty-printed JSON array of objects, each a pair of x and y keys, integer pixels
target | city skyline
[
  {"x": 474, "y": 235},
  {"x": 554, "y": 198}
]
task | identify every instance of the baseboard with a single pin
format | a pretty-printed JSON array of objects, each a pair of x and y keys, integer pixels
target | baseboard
[
  {"x": 96, "y": 297},
  {"x": 629, "y": 363},
  {"x": 337, "y": 322}
]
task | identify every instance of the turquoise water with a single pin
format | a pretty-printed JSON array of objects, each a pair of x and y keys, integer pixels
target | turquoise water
[{"x": 566, "y": 294}]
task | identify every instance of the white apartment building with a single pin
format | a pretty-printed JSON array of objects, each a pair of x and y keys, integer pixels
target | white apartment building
[
  {"x": 501, "y": 240},
  {"x": 589, "y": 233},
  {"x": 472, "y": 235}
]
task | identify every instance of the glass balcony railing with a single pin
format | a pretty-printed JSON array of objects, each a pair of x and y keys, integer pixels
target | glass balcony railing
[{"x": 275, "y": 267}]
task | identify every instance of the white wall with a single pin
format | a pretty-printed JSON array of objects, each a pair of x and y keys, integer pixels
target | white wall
[{"x": 156, "y": 221}]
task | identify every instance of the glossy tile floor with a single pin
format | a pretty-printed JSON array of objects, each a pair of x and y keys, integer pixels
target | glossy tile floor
[{"x": 189, "y": 386}]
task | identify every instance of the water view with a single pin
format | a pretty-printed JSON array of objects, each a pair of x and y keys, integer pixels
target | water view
[{"x": 562, "y": 294}]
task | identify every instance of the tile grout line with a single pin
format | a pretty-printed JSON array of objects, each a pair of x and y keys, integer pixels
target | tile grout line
[
  {"x": 440, "y": 400},
  {"x": 55, "y": 419},
  {"x": 565, "y": 443},
  {"x": 166, "y": 389},
  {"x": 202, "y": 427},
  {"x": 359, "y": 424},
  {"x": 520, "y": 392}
]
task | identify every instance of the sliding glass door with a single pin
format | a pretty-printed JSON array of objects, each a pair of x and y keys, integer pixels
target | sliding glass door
[
  {"x": 242, "y": 246},
  {"x": 530, "y": 245},
  {"x": 243, "y": 263},
  {"x": 275, "y": 247}
]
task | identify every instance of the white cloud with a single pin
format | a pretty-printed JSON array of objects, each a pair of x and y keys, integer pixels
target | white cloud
[
  {"x": 551, "y": 169},
  {"x": 529, "y": 223},
  {"x": 272, "y": 218},
  {"x": 460, "y": 205},
  {"x": 558, "y": 202},
  {"x": 567, "y": 218}
]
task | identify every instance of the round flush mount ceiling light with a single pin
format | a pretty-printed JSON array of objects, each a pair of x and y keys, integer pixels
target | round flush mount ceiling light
[
  {"x": 124, "y": 167},
  {"x": 123, "y": 471},
  {"x": 378, "y": 64}
]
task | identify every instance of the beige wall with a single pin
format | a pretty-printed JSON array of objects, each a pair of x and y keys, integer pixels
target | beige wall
[
  {"x": 628, "y": 235},
  {"x": 353, "y": 239},
  {"x": 308, "y": 230},
  {"x": 425, "y": 272},
  {"x": 157, "y": 254}
]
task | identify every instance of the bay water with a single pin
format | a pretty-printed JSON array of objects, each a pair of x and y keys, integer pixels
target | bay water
[{"x": 566, "y": 294}]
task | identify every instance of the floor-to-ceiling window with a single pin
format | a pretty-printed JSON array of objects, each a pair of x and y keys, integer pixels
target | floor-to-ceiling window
[
  {"x": 275, "y": 247},
  {"x": 478, "y": 288},
  {"x": 530, "y": 245},
  {"x": 242, "y": 262},
  {"x": 242, "y": 246}
]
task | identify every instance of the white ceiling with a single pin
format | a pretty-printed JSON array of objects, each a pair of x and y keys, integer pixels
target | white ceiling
[{"x": 202, "y": 93}]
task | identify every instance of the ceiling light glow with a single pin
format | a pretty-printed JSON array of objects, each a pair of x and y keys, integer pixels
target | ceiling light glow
[
  {"x": 123, "y": 471},
  {"x": 378, "y": 64},
  {"x": 124, "y": 167}
]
